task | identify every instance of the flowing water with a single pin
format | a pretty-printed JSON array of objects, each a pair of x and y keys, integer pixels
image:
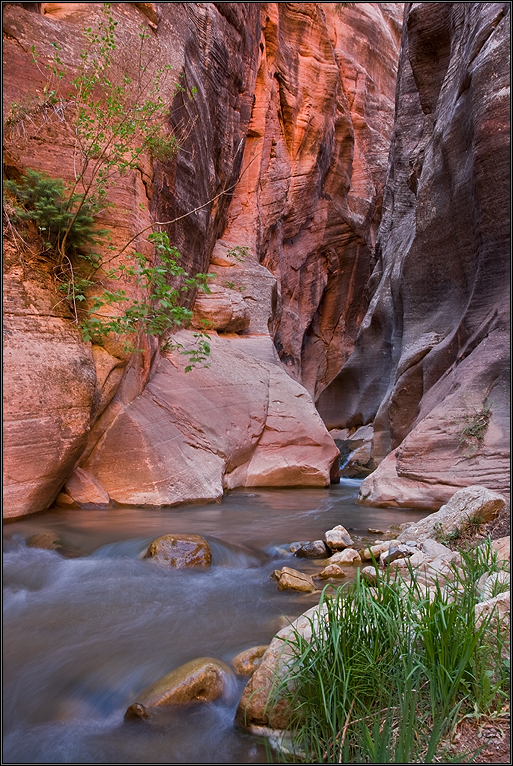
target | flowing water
[{"x": 84, "y": 636}]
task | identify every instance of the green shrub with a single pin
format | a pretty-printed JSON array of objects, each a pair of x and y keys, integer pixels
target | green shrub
[
  {"x": 115, "y": 122},
  {"x": 49, "y": 203}
]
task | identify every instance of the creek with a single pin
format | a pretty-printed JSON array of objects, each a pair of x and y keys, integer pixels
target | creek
[{"x": 84, "y": 636}]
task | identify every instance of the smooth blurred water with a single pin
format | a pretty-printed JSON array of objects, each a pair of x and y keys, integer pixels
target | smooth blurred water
[{"x": 84, "y": 636}]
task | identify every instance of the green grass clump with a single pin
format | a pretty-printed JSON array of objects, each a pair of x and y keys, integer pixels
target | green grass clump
[{"x": 390, "y": 669}]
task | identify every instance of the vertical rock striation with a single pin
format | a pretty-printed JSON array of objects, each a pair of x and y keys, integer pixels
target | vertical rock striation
[
  {"x": 52, "y": 377},
  {"x": 429, "y": 368},
  {"x": 283, "y": 152},
  {"x": 309, "y": 202}
]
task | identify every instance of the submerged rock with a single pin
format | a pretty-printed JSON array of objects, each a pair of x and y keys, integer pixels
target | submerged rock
[
  {"x": 48, "y": 541},
  {"x": 180, "y": 551},
  {"x": 202, "y": 680}
]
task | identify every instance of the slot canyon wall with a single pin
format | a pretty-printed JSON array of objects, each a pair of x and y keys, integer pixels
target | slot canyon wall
[
  {"x": 296, "y": 97},
  {"x": 430, "y": 369},
  {"x": 373, "y": 283}
]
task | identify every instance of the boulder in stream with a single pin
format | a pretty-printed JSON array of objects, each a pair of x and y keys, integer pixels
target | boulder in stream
[
  {"x": 317, "y": 549},
  {"x": 202, "y": 680},
  {"x": 48, "y": 541},
  {"x": 347, "y": 556},
  {"x": 332, "y": 570},
  {"x": 180, "y": 551},
  {"x": 245, "y": 663},
  {"x": 338, "y": 538},
  {"x": 291, "y": 579}
]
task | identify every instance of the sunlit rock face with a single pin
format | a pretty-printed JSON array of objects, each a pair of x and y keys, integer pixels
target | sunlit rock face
[
  {"x": 430, "y": 364},
  {"x": 298, "y": 98},
  {"x": 57, "y": 387},
  {"x": 309, "y": 201}
]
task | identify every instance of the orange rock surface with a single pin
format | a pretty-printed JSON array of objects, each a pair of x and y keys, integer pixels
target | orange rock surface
[{"x": 293, "y": 96}]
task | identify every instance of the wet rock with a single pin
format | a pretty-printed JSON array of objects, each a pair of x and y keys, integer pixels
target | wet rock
[
  {"x": 70, "y": 551},
  {"x": 135, "y": 712},
  {"x": 347, "y": 556},
  {"x": 332, "y": 570},
  {"x": 247, "y": 662},
  {"x": 291, "y": 579},
  {"x": 202, "y": 680},
  {"x": 180, "y": 551},
  {"x": 338, "y": 538},
  {"x": 468, "y": 504},
  {"x": 48, "y": 541},
  {"x": 317, "y": 549},
  {"x": 294, "y": 547}
]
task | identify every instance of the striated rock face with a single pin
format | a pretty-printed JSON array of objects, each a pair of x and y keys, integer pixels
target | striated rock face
[
  {"x": 293, "y": 95},
  {"x": 429, "y": 369},
  {"x": 49, "y": 389},
  {"x": 55, "y": 386},
  {"x": 309, "y": 200}
]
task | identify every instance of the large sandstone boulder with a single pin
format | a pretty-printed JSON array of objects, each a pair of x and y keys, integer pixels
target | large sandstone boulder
[
  {"x": 201, "y": 680},
  {"x": 431, "y": 359},
  {"x": 55, "y": 385},
  {"x": 85, "y": 490},
  {"x": 240, "y": 422},
  {"x": 180, "y": 551},
  {"x": 472, "y": 504}
]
